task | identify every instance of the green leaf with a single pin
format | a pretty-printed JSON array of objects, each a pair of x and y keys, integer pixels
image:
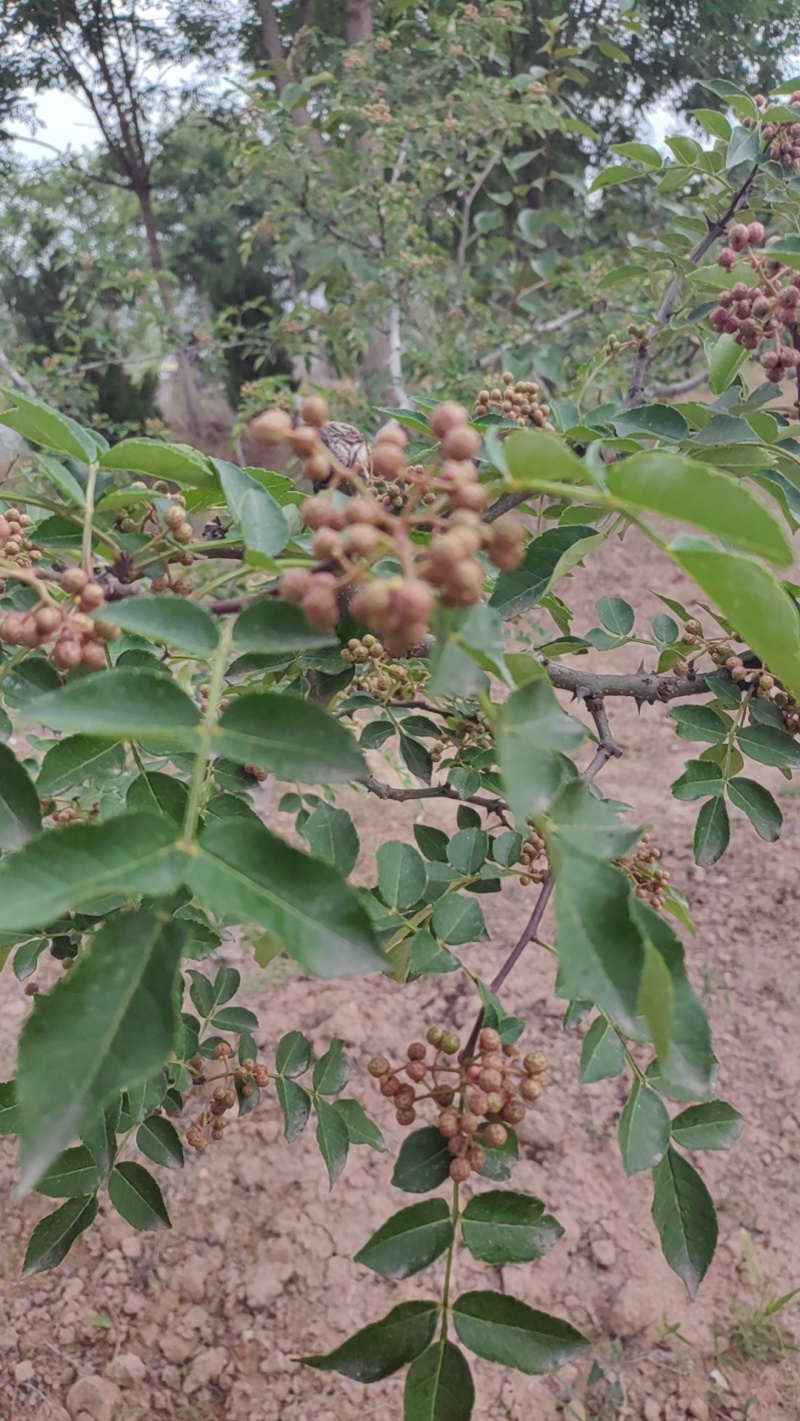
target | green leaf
[
  {"x": 172, "y": 621},
  {"x": 532, "y": 730},
  {"x": 769, "y": 746},
  {"x": 274, "y": 626},
  {"x": 725, "y": 358},
  {"x": 158, "y": 793},
  {"x": 333, "y": 1139},
  {"x": 73, "y": 1175},
  {"x": 293, "y": 1055},
  {"x": 610, "y": 177},
  {"x": 640, "y": 152},
  {"x": 506, "y": 848},
  {"x": 759, "y": 806},
  {"x": 295, "y": 1102},
  {"x": 54, "y": 1235},
  {"x": 80, "y": 759},
  {"x": 458, "y": 920},
  {"x": 467, "y": 850},
  {"x": 261, "y": 520},
  {"x": 580, "y": 820},
  {"x": 699, "y": 779},
  {"x": 600, "y": 947},
  {"x": 137, "y": 1198},
  {"x": 290, "y": 736},
  {"x": 712, "y": 832},
  {"x": 616, "y": 614},
  {"x": 432, "y": 842},
  {"x": 684, "y": 1214},
  {"x": 331, "y": 836},
  {"x": 235, "y": 1019},
  {"x": 35, "y": 420},
  {"x": 332, "y": 1070},
  {"x": 242, "y": 870},
  {"x": 699, "y": 723},
  {"x": 402, "y": 875},
  {"x": 361, "y": 1130},
  {"x": 158, "y": 1139},
  {"x": 546, "y": 558},
  {"x": 120, "y": 705},
  {"x": 409, "y": 1241},
  {"x": 64, "y": 481},
  {"x": 689, "y": 1070},
  {"x": 681, "y": 488},
  {"x": 665, "y": 630},
  {"x": 752, "y": 599},
  {"x": 602, "y": 1053},
  {"x": 713, "y": 122},
  {"x": 423, "y": 1162},
  {"x": 20, "y": 814},
  {"x": 100, "y": 1135},
  {"x": 742, "y": 147},
  {"x": 439, "y": 1386},
  {"x": 504, "y": 1330},
  {"x": 383, "y": 1347},
  {"x": 657, "y": 999},
  {"x": 9, "y": 1110},
  {"x": 713, "y": 1126},
  {"x": 64, "y": 869},
  {"x": 110, "y": 1023},
  {"x": 643, "y": 1129},
  {"x": 428, "y": 956},
  {"x": 416, "y": 756},
  {"x": 502, "y": 1226},
  {"x": 178, "y": 463},
  {"x": 533, "y": 454}
]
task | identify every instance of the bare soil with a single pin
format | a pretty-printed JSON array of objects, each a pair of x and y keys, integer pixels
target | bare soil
[{"x": 204, "y": 1322}]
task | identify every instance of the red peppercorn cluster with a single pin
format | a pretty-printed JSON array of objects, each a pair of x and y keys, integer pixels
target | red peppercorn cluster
[
  {"x": 534, "y": 859},
  {"x": 446, "y": 501},
  {"x": 782, "y": 140},
  {"x": 15, "y": 544},
  {"x": 517, "y": 400},
  {"x": 765, "y": 687},
  {"x": 376, "y": 673},
  {"x": 650, "y": 882},
  {"x": 767, "y": 311},
  {"x": 74, "y": 637},
  {"x": 221, "y": 1094},
  {"x": 478, "y": 1097}
]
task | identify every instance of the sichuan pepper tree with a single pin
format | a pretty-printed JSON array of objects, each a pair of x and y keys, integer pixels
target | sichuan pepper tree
[{"x": 181, "y": 628}]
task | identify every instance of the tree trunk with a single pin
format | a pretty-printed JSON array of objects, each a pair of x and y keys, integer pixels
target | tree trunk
[
  {"x": 359, "y": 21},
  {"x": 186, "y": 379}
]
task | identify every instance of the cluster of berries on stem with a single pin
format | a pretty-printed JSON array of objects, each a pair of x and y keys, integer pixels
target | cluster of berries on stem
[
  {"x": 75, "y": 638},
  {"x": 445, "y": 500},
  {"x": 477, "y": 1098},
  {"x": 222, "y": 1092},
  {"x": 16, "y": 545},
  {"x": 766, "y": 312},
  {"x": 650, "y": 881},
  {"x": 517, "y": 400}
]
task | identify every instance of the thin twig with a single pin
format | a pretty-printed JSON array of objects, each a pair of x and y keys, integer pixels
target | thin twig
[{"x": 384, "y": 791}]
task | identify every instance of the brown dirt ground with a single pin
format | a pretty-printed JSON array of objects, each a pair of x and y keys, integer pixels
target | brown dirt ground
[{"x": 203, "y": 1322}]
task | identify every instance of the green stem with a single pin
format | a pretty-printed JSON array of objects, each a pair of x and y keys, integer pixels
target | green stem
[
  {"x": 448, "y": 1270},
  {"x": 207, "y": 728},
  {"x": 12, "y": 662},
  {"x": 741, "y": 716},
  {"x": 88, "y": 517}
]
